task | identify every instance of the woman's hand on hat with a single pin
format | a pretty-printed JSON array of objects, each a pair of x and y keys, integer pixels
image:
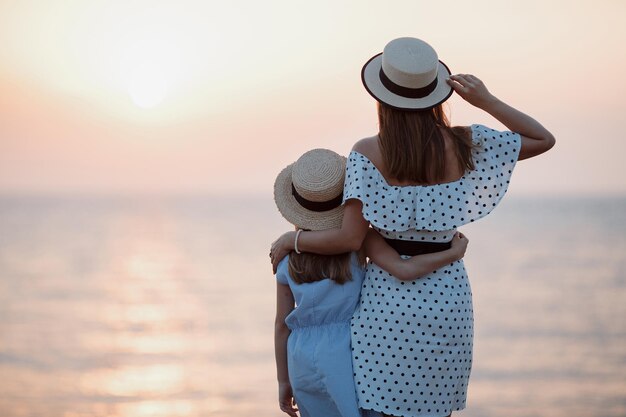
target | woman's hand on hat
[
  {"x": 471, "y": 89},
  {"x": 281, "y": 247}
]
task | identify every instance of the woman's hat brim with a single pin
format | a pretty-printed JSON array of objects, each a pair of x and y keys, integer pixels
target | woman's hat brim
[
  {"x": 370, "y": 76},
  {"x": 297, "y": 215}
]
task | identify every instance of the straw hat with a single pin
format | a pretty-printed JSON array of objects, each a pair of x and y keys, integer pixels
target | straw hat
[
  {"x": 407, "y": 75},
  {"x": 309, "y": 192}
]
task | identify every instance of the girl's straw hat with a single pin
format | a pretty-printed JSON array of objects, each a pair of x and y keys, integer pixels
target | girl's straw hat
[
  {"x": 407, "y": 75},
  {"x": 309, "y": 192}
]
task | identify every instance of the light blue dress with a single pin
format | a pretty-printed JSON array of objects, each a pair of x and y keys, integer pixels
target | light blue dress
[{"x": 319, "y": 356}]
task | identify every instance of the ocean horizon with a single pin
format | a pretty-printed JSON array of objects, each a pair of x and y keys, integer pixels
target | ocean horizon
[{"x": 163, "y": 305}]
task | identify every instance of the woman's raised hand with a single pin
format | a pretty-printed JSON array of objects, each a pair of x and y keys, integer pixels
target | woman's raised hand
[
  {"x": 471, "y": 89},
  {"x": 536, "y": 139}
]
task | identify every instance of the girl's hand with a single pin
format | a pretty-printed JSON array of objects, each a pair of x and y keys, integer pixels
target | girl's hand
[
  {"x": 459, "y": 245},
  {"x": 281, "y": 248},
  {"x": 472, "y": 90},
  {"x": 285, "y": 399}
]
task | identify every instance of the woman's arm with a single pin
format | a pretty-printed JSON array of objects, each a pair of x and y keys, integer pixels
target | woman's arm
[
  {"x": 414, "y": 267},
  {"x": 536, "y": 139},
  {"x": 284, "y": 306},
  {"x": 348, "y": 238}
]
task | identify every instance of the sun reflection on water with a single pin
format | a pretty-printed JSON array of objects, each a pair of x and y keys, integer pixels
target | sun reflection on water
[
  {"x": 137, "y": 381},
  {"x": 147, "y": 318},
  {"x": 148, "y": 312},
  {"x": 158, "y": 409}
]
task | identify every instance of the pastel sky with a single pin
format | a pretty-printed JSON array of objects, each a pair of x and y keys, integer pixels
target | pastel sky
[{"x": 218, "y": 96}]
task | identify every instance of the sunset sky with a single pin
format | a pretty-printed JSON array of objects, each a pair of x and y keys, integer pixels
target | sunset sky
[{"x": 212, "y": 97}]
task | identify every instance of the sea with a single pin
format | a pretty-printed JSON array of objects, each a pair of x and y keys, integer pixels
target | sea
[{"x": 163, "y": 306}]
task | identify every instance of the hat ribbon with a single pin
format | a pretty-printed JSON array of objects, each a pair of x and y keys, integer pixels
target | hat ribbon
[
  {"x": 406, "y": 91},
  {"x": 317, "y": 205}
]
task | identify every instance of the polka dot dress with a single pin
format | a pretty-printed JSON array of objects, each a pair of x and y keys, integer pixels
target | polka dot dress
[{"x": 412, "y": 340}]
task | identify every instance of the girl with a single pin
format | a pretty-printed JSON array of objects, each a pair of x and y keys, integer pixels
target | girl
[{"x": 317, "y": 294}]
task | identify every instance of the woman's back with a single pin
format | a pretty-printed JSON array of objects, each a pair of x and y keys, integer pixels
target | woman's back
[{"x": 370, "y": 147}]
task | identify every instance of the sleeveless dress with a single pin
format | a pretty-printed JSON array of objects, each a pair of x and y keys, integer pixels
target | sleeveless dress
[
  {"x": 412, "y": 340},
  {"x": 319, "y": 357}
]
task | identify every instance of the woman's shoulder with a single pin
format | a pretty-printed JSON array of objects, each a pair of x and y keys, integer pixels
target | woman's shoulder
[
  {"x": 463, "y": 130},
  {"x": 498, "y": 143},
  {"x": 367, "y": 146},
  {"x": 482, "y": 131}
]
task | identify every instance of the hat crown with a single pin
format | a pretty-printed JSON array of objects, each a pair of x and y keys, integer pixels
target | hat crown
[
  {"x": 318, "y": 175},
  {"x": 410, "y": 62}
]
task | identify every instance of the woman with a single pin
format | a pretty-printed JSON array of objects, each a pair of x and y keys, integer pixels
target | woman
[{"x": 415, "y": 183}]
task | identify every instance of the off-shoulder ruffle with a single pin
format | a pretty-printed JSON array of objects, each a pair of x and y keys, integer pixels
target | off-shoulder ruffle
[{"x": 437, "y": 207}]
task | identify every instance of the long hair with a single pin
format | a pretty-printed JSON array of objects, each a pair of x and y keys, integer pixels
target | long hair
[
  {"x": 413, "y": 146},
  {"x": 310, "y": 267}
]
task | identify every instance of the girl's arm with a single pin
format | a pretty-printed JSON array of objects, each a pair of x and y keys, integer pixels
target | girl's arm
[
  {"x": 284, "y": 306},
  {"x": 536, "y": 139},
  {"x": 414, "y": 267},
  {"x": 348, "y": 238}
]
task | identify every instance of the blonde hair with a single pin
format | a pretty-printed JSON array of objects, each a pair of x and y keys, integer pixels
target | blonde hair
[{"x": 413, "y": 146}]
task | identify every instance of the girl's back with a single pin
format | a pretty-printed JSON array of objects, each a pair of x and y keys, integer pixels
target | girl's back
[
  {"x": 319, "y": 353},
  {"x": 322, "y": 302}
]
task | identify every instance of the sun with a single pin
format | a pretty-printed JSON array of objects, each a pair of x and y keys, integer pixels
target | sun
[
  {"x": 147, "y": 72},
  {"x": 147, "y": 86}
]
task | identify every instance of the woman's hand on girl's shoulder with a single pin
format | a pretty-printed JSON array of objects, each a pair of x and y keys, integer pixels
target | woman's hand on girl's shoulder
[{"x": 281, "y": 248}]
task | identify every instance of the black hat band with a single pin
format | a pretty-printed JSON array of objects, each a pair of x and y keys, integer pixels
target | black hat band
[
  {"x": 316, "y": 205},
  {"x": 405, "y": 91}
]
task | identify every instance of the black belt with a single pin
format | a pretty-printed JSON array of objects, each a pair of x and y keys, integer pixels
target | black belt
[{"x": 417, "y": 247}]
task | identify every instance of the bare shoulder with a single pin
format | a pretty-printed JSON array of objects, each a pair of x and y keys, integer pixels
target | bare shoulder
[
  {"x": 457, "y": 132},
  {"x": 367, "y": 146},
  {"x": 370, "y": 148},
  {"x": 465, "y": 129},
  {"x": 462, "y": 130}
]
